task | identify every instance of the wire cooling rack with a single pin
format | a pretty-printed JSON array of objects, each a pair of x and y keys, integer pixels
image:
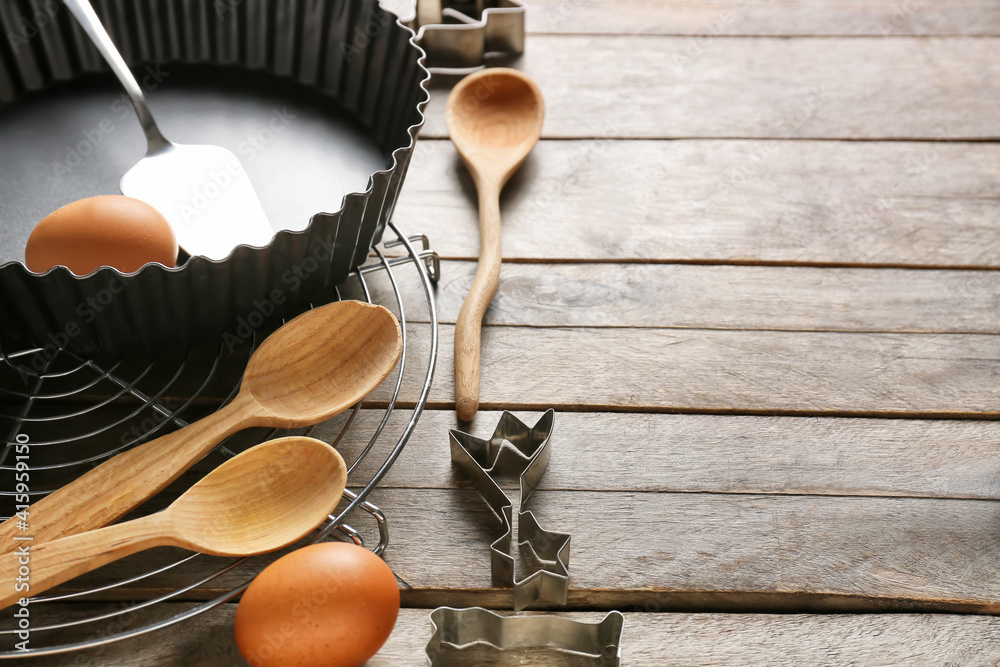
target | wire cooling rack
[{"x": 77, "y": 412}]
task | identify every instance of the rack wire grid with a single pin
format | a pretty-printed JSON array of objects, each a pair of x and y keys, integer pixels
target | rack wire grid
[{"x": 77, "y": 412}]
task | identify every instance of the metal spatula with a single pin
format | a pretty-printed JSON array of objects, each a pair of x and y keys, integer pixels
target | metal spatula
[{"x": 203, "y": 191}]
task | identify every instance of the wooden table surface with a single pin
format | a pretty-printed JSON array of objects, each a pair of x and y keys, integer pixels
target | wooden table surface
[{"x": 753, "y": 265}]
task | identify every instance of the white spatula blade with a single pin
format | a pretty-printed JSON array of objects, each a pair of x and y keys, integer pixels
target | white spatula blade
[{"x": 205, "y": 194}]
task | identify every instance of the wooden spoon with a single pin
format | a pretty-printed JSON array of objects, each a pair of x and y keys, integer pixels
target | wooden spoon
[
  {"x": 494, "y": 119},
  {"x": 264, "y": 499},
  {"x": 313, "y": 368}
]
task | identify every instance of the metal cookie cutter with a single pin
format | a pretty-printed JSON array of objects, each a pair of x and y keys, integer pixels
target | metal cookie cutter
[
  {"x": 461, "y": 628},
  {"x": 514, "y": 449},
  {"x": 457, "y": 34}
]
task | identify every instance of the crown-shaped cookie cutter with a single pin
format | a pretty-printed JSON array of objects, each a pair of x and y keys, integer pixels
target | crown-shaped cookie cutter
[
  {"x": 457, "y": 35},
  {"x": 516, "y": 448},
  {"x": 598, "y": 643}
]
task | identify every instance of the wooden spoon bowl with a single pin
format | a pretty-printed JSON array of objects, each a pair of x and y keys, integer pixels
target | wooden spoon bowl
[
  {"x": 266, "y": 498},
  {"x": 495, "y": 118},
  {"x": 317, "y": 368}
]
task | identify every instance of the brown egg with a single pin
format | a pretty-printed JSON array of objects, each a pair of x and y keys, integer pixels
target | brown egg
[
  {"x": 110, "y": 230},
  {"x": 331, "y": 604}
]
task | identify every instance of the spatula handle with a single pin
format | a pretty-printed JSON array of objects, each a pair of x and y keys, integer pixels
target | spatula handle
[
  {"x": 468, "y": 328},
  {"x": 32, "y": 569},
  {"x": 125, "y": 481},
  {"x": 91, "y": 23}
]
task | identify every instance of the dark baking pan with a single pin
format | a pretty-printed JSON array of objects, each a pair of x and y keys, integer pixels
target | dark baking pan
[{"x": 322, "y": 102}]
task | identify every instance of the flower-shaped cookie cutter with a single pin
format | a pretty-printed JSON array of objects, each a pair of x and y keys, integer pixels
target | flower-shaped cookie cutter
[
  {"x": 457, "y": 35},
  {"x": 516, "y": 448}
]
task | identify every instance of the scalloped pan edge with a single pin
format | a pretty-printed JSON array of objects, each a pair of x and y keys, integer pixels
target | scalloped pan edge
[{"x": 355, "y": 51}]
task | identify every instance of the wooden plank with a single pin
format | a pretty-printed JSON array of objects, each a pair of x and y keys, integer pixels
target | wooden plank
[
  {"x": 944, "y": 458},
  {"x": 672, "y": 552},
  {"x": 640, "y": 456},
  {"x": 716, "y": 297},
  {"x": 656, "y": 640},
  {"x": 792, "y": 18},
  {"x": 657, "y": 551},
  {"x": 602, "y": 451},
  {"x": 760, "y": 88},
  {"x": 714, "y": 454},
  {"x": 694, "y": 370},
  {"x": 761, "y": 17},
  {"x": 794, "y": 202},
  {"x": 677, "y": 552}
]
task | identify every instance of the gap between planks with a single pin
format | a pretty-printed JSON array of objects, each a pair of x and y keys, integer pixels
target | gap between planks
[
  {"x": 737, "y": 494},
  {"x": 649, "y": 640},
  {"x": 719, "y": 262},
  {"x": 831, "y": 88}
]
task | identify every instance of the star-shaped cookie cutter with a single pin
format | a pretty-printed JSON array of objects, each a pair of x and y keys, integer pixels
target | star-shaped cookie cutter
[
  {"x": 516, "y": 448},
  {"x": 457, "y": 35},
  {"x": 598, "y": 643}
]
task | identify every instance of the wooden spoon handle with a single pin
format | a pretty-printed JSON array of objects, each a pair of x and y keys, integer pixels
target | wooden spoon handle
[
  {"x": 33, "y": 569},
  {"x": 468, "y": 328},
  {"x": 125, "y": 481}
]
